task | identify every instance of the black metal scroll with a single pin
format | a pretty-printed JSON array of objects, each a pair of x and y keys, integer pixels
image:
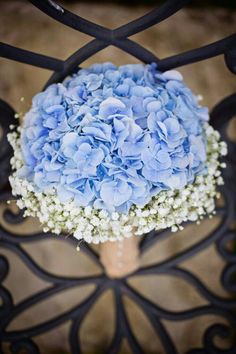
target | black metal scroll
[{"x": 221, "y": 236}]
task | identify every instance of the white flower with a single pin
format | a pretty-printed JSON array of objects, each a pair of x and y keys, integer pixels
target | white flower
[{"x": 167, "y": 209}]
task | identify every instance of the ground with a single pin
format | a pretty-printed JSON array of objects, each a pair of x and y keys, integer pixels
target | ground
[{"x": 24, "y": 26}]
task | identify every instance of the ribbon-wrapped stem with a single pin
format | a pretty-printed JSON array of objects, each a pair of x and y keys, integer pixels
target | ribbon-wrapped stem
[{"x": 120, "y": 258}]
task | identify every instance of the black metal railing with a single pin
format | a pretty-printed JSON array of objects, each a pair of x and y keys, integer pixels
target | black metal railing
[{"x": 223, "y": 307}]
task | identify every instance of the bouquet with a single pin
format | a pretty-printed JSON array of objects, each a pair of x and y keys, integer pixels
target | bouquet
[{"x": 116, "y": 151}]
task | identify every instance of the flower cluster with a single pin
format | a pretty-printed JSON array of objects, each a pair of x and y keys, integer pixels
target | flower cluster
[
  {"x": 114, "y": 151},
  {"x": 113, "y": 137},
  {"x": 168, "y": 209}
]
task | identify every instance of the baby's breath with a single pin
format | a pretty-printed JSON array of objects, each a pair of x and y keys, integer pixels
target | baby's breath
[{"x": 168, "y": 209}]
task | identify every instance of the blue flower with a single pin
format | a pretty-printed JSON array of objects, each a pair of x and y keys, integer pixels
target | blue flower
[
  {"x": 113, "y": 137},
  {"x": 115, "y": 193},
  {"x": 157, "y": 165},
  {"x": 112, "y": 107},
  {"x": 87, "y": 159},
  {"x": 169, "y": 131},
  {"x": 100, "y": 131},
  {"x": 81, "y": 193},
  {"x": 82, "y": 155}
]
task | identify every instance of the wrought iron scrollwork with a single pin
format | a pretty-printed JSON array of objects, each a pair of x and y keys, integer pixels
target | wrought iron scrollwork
[
  {"x": 221, "y": 236},
  {"x": 7, "y": 118}
]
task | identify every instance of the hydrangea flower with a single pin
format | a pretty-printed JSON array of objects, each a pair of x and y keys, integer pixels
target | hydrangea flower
[
  {"x": 113, "y": 137},
  {"x": 116, "y": 151}
]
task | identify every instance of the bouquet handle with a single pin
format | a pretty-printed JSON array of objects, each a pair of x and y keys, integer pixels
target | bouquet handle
[{"x": 120, "y": 258}]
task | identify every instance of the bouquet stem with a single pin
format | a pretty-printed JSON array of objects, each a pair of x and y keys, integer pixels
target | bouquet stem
[{"x": 120, "y": 258}]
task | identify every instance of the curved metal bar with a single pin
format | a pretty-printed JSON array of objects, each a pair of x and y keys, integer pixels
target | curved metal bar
[
  {"x": 5, "y": 196},
  {"x": 221, "y": 245},
  {"x": 71, "y": 20},
  {"x": 212, "y": 298},
  {"x": 220, "y": 118},
  {"x": 93, "y": 47},
  {"x": 161, "y": 331},
  {"x": 115, "y": 345},
  {"x": 112, "y": 37},
  {"x": 6, "y": 302},
  {"x": 12, "y": 218},
  {"x": 75, "y": 59},
  {"x": 64, "y": 68},
  {"x": 28, "y": 57},
  {"x": 150, "y": 239},
  {"x": 213, "y": 331},
  {"x": 136, "y": 50},
  {"x": 5, "y": 296},
  {"x": 218, "y": 330},
  {"x": 155, "y": 236},
  {"x": 220, "y": 47},
  {"x": 157, "y": 326},
  {"x": 85, "y": 248},
  {"x": 189, "y": 252},
  {"x": 34, "y": 267},
  {"x": 46, "y": 294},
  {"x": 152, "y": 18},
  {"x": 15, "y": 239},
  {"x": 80, "y": 24},
  {"x": 25, "y": 345},
  {"x": 6, "y": 152},
  {"x": 4, "y": 268},
  {"x": 104, "y": 37},
  {"x": 225, "y": 108},
  {"x": 196, "y": 55},
  {"x": 123, "y": 323},
  {"x": 228, "y": 276},
  {"x": 177, "y": 315},
  {"x": 154, "y": 320},
  {"x": 75, "y": 312},
  {"x": 74, "y": 339}
]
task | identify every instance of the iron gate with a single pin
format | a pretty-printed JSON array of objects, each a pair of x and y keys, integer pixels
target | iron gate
[{"x": 221, "y": 236}]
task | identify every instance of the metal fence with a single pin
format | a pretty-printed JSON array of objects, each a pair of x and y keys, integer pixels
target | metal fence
[{"x": 223, "y": 234}]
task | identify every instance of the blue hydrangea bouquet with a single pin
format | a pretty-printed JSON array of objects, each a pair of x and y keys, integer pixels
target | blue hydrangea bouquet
[{"x": 116, "y": 151}]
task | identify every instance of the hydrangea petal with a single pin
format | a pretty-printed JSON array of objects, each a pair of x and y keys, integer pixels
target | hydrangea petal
[{"x": 111, "y": 137}]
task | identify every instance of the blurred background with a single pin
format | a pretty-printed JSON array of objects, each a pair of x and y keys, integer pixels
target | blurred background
[{"x": 26, "y": 27}]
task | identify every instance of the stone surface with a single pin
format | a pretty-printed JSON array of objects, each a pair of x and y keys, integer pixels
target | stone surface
[{"x": 24, "y": 26}]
